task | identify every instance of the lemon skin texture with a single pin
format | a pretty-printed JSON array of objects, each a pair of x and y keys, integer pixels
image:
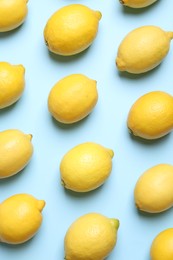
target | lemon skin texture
[
  {"x": 15, "y": 152},
  {"x": 72, "y": 98},
  {"x": 92, "y": 237},
  {"x": 162, "y": 246},
  {"x": 151, "y": 116},
  {"x": 12, "y": 14},
  {"x": 86, "y": 167},
  {"x": 12, "y": 83},
  {"x": 71, "y": 29},
  {"x": 153, "y": 192},
  {"x": 20, "y": 217},
  {"x": 137, "y": 3},
  {"x": 143, "y": 49}
]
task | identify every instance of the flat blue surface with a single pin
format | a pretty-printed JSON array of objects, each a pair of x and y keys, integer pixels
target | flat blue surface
[{"x": 106, "y": 125}]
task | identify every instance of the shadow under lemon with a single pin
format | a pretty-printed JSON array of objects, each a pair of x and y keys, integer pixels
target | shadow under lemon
[
  {"x": 66, "y": 59},
  {"x": 138, "y": 11}
]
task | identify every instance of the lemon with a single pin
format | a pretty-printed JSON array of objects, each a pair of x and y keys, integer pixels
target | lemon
[
  {"x": 15, "y": 152},
  {"x": 71, "y": 29},
  {"x": 151, "y": 116},
  {"x": 154, "y": 189},
  {"x": 86, "y": 167},
  {"x": 162, "y": 246},
  {"x": 91, "y": 237},
  {"x": 20, "y": 217},
  {"x": 137, "y": 3},
  {"x": 143, "y": 49},
  {"x": 12, "y": 83},
  {"x": 72, "y": 98},
  {"x": 12, "y": 14}
]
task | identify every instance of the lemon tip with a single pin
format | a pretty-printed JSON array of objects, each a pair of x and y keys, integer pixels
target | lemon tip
[
  {"x": 98, "y": 15},
  {"x": 115, "y": 223},
  {"x": 41, "y": 204},
  {"x": 170, "y": 35},
  {"x": 30, "y": 136},
  {"x": 62, "y": 183},
  {"x": 121, "y": 2},
  {"x": 111, "y": 152},
  {"x": 21, "y": 68},
  {"x": 120, "y": 64}
]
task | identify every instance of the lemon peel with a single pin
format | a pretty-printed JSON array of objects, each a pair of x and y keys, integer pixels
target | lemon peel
[
  {"x": 92, "y": 236},
  {"x": 16, "y": 151},
  {"x": 143, "y": 49},
  {"x": 20, "y": 217},
  {"x": 12, "y": 14},
  {"x": 86, "y": 167},
  {"x": 71, "y": 29}
]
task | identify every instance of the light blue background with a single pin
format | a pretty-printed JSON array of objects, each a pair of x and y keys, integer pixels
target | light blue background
[{"x": 106, "y": 125}]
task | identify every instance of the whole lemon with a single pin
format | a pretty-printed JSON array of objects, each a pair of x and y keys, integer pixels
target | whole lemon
[
  {"x": 15, "y": 152},
  {"x": 162, "y": 246},
  {"x": 143, "y": 49},
  {"x": 154, "y": 189},
  {"x": 92, "y": 236},
  {"x": 72, "y": 98},
  {"x": 12, "y": 14},
  {"x": 151, "y": 116},
  {"x": 71, "y": 29},
  {"x": 137, "y": 3},
  {"x": 86, "y": 167},
  {"x": 20, "y": 217},
  {"x": 12, "y": 83}
]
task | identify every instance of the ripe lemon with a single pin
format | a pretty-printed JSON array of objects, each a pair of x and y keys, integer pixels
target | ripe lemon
[
  {"x": 72, "y": 98},
  {"x": 86, "y": 167},
  {"x": 137, "y": 3},
  {"x": 12, "y": 14},
  {"x": 153, "y": 191},
  {"x": 162, "y": 246},
  {"x": 151, "y": 116},
  {"x": 71, "y": 29},
  {"x": 143, "y": 49},
  {"x": 12, "y": 83},
  {"x": 15, "y": 152},
  {"x": 20, "y": 218},
  {"x": 92, "y": 236}
]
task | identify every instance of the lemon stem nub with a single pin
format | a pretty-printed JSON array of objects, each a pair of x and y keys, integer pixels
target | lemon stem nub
[
  {"x": 130, "y": 131},
  {"x": 111, "y": 152},
  {"x": 41, "y": 204},
  {"x": 98, "y": 14},
  {"x": 30, "y": 136},
  {"x": 137, "y": 206},
  {"x": 170, "y": 35},
  {"x": 115, "y": 223},
  {"x": 62, "y": 183},
  {"x": 120, "y": 64},
  {"x": 121, "y": 2}
]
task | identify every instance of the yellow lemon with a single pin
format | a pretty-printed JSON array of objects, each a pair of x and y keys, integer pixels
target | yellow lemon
[
  {"x": 20, "y": 217},
  {"x": 71, "y": 29},
  {"x": 72, "y": 98},
  {"x": 151, "y": 116},
  {"x": 143, "y": 49},
  {"x": 86, "y": 167},
  {"x": 137, "y": 3},
  {"x": 91, "y": 237},
  {"x": 154, "y": 189},
  {"x": 12, "y": 14},
  {"x": 15, "y": 152},
  {"x": 162, "y": 246},
  {"x": 12, "y": 83}
]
